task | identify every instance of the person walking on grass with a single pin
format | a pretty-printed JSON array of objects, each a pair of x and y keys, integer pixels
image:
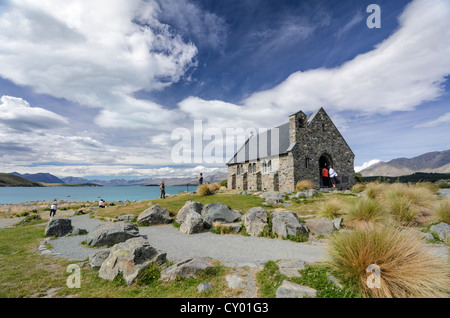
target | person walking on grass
[
  {"x": 162, "y": 187},
  {"x": 53, "y": 209}
]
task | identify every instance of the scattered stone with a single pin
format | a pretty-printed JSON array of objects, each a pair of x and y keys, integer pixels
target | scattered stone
[
  {"x": 306, "y": 194},
  {"x": 286, "y": 223},
  {"x": 79, "y": 212},
  {"x": 337, "y": 223},
  {"x": 213, "y": 212},
  {"x": 290, "y": 267},
  {"x": 130, "y": 259},
  {"x": 335, "y": 281},
  {"x": 234, "y": 281},
  {"x": 426, "y": 236},
  {"x": 126, "y": 218},
  {"x": 203, "y": 287},
  {"x": 78, "y": 231},
  {"x": 272, "y": 201},
  {"x": 96, "y": 259},
  {"x": 154, "y": 215},
  {"x": 112, "y": 233},
  {"x": 188, "y": 206},
  {"x": 186, "y": 268},
  {"x": 273, "y": 194},
  {"x": 255, "y": 220},
  {"x": 192, "y": 222},
  {"x": 442, "y": 230},
  {"x": 58, "y": 227},
  {"x": 291, "y": 290},
  {"x": 320, "y": 226}
]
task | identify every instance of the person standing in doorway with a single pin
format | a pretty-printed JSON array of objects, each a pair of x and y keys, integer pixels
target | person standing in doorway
[
  {"x": 325, "y": 177},
  {"x": 53, "y": 209},
  {"x": 162, "y": 187},
  {"x": 333, "y": 177}
]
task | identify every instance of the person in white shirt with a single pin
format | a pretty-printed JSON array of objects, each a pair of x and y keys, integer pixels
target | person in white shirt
[
  {"x": 53, "y": 208},
  {"x": 333, "y": 176}
]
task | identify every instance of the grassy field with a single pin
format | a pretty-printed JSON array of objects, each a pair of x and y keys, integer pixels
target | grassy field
[{"x": 377, "y": 227}]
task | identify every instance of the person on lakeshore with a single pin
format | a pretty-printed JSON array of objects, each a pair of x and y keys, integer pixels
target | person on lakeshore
[
  {"x": 325, "y": 177},
  {"x": 333, "y": 177},
  {"x": 162, "y": 186},
  {"x": 53, "y": 209},
  {"x": 101, "y": 203},
  {"x": 200, "y": 179}
]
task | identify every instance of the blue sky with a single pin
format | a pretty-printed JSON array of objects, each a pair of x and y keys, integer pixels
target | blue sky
[{"x": 96, "y": 88}]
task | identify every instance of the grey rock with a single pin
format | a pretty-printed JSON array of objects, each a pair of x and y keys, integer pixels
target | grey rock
[
  {"x": 97, "y": 258},
  {"x": 186, "y": 268},
  {"x": 286, "y": 223},
  {"x": 188, "y": 206},
  {"x": 320, "y": 226},
  {"x": 218, "y": 212},
  {"x": 273, "y": 194},
  {"x": 58, "y": 227},
  {"x": 78, "y": 231},
  {"x": 203, "y": 287},
  {"x": 112, "y": 233},
  {"x": 442, "y": 230},
  {"x": 130, "y": 258},
  {"x": 255, "y": 220},
  {"x": 272, "y": 201},
  {"x": 234, "y": 281},
  {"x": 291, "y": 290},
  {"x": 290, "y": 267},
  {"x": 154, "y": 215},
  {"x": 126, "y": 218},
  {"x": 192, "y": 222},
  {"x": 337, "y": 223},
  {"x": 426, "y": 236},
  {"x": 335, "y": 281}
]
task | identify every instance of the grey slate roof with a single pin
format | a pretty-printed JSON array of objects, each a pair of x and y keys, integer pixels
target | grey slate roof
[{"x": 272, "y": 142}]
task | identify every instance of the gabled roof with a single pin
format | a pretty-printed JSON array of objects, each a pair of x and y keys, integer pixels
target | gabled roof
[{"x": 272, "y": 142}]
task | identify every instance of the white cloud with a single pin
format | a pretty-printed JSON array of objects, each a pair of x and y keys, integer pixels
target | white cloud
[
  {"x": 444, "y": 119},
  {"x": 94, "y": 53},
  {"x": 366, "y": 165},
  {"x": 17, "y": 113},
  {"x": 405, "y": 70}
]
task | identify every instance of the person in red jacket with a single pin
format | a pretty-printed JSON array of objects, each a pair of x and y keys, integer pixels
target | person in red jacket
[{"x": 325, "y": 177}]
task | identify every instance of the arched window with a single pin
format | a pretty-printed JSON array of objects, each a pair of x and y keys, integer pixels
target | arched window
[
  {"x": 254, "y": 167},
  {"x": 270, "y": 165}
]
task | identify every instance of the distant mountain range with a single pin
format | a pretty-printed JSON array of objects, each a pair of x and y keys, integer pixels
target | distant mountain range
[
  {"x": 48, "y": 178},
  {"x": 431, "y": 162}
]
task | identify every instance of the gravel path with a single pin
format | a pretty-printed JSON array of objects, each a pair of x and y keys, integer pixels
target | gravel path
[{"x": 232, "y": 250}]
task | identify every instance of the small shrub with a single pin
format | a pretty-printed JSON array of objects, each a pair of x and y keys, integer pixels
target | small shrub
[
  {"x": 220, "y": 228},
  {"x": 332, "y": 209},
  {"x": 213, "y": 187},
  {"x": 374, "y": 190},
  {"x": 407, "y": 267},
  {"x": 442, "y": 211},
  {"x": 150, "y": 276},
  {"x": 304, "y": 185},
  {"x": 224, "y": 183},
  {"x": 203, "y": 190},
  {"x": 358, "y": 188},
  {"x": 368, "y": 210}
]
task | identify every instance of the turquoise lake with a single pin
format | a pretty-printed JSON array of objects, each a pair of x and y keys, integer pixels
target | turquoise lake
[{"x": 76, "y": 194}]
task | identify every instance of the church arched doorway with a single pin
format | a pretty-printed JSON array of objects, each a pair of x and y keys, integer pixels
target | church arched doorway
[{"x": 325, "y": 161}]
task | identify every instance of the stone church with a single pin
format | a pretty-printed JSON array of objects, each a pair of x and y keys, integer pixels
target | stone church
[{"x": 277, "y": 159}]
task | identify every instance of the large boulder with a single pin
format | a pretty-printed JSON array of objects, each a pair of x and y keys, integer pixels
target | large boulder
[
  {"x": 320, "y": 226},
  {"x": 292, "y": 290},
  {"x": 188, "y": 206},
  {"x": 58, "y": 227},
  {"x": 186, "y": 268},
  {"x": 255, "y": 220},
  {"x": 192, "y": 223},
  {"x": 442, "y": 230},
  {"x": 286, "y": 223},
  {"x": 97, "y": 258},
  {"x": 154, "y": 215},
  {"x": 112, "y": 233},
  {"x": 273, "y": 195},
  {"x": 130, "y": 258},
  {"x": 218, "y": 212}
]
